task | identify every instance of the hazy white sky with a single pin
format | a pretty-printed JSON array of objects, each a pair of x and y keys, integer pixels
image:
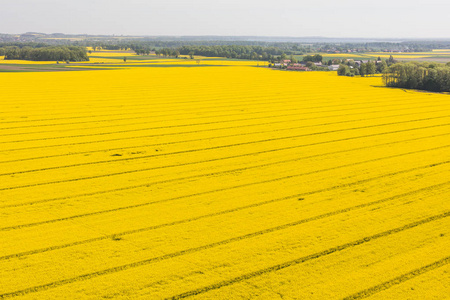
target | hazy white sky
[{"x": 328, "y": 18}]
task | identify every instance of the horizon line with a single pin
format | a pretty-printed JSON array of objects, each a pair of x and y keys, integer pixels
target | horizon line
[{"x": 232, "y": 36}]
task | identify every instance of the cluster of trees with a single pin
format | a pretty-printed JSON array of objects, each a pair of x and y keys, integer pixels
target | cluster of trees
[
  {"x": 167, "y": 52},
  {"x": 313, "y": 58},
  {"x": 53, "y": 53},
  {"x": 363, "y": 69},
  {"x": 142, "y": 51},
  {"x": 352, "y": 68},
  {"x": 421, "y": 76}
]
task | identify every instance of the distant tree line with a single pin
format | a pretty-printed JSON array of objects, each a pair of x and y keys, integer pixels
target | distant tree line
[
  {"x": 379, "y": 46},
  {"x": 52, "y": 53},
  {"x": 287, "y": 46},
  {"x": 421, "y": 76},
  {"x": 233, "y": 51},
  {"x": 23, "y": 44},
  {"x": 153, "y": 45},
  {"x": 227, "y": 51}
]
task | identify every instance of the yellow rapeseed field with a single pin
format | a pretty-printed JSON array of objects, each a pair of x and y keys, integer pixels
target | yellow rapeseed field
[{"x": 221, "y": 182}]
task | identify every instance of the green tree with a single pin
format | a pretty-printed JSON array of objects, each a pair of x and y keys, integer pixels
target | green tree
[
  {"x": 362, "y": 69},
  {"x": 317, "y": 58},
  {"x": 308, "y": 58},
  {"x": 381, "y": 67},
  {"x": 370, "y": 68},
  {"x": 391, "y": 60},
  {"x": 311, "y": 65},
  {"x": 343, "y": 70},
  {"x": 293, "y": 60}
]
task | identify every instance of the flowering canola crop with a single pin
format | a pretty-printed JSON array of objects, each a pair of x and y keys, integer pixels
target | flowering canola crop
[{"x": 221, "y": 182}]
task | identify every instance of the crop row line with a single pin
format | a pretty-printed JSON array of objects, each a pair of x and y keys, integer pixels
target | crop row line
[
  {"x": 221, "y": 284},
  {"x": 208, "y": 100},
  {"x": 185, "y": 221},
  {"x": 398, "y": 280},
  {"x": 303, "y": 259},
  {"x": 270, "y": 110},
  {"x": 100, "y": 99},
  {"x": 217, "y": 147},
  {"x": 140, "y": 111},
  {"x": 140, "y": 123},
  {"x": 207, "y": 175},
  {"x": 187, "y": 141},
  {"x": 146, "y": 185},
  {"x": 165, "y": 104},
  {"x": 199, "y": 89},
  {"x": 155, "y": 135}
]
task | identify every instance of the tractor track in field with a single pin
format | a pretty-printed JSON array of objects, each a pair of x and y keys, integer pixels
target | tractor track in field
[
  {"x": 145, "y": 103},
  {"x": 147, "y": 145},
  {"x": 311, "y": 257},
  {"x": 398, "y": 280},
  {"x": 286, "y": 121},
  {"x": 147, "y": 92},
  {"x": 225, "y": 146},
  {"x": 139, "y": 113},
  {"x": 129, "y": 187},
  {"x": 180, "y": 125},
  {"x": 109, "y": 99},
  {"x": 270, "y": 104},
  {"x": 171, "y": 143},
  {"x": 222, "y": 172},
  {"x": 199, "y": 175},
  {"x": 234, "y": 280},
  {"x": 273, "y": 229},
  {"x": 215, "y": 174},
  {"x": 183, "y": 110},
  {"x": 230, "y": 104}
]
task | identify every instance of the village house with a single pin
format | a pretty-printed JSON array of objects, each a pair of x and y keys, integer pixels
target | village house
[
  {"x": 298, "y": 68},
  {"x": 359, "y": 62},
  {"x": 333, "y": 67}
]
